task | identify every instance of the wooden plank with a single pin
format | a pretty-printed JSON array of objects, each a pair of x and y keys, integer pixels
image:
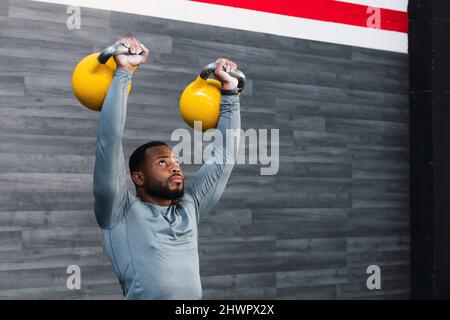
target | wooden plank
[
  {"x": 31, "y": 259},
  {"x": 309, "y": 107},
  {"x": 224, "y": 222},
  {"x": 236, "y": 250},
  {"x": 293, "y": 247},
  {"x": 208, "y": 51},
  {"x": 18, "y": 66},
  {"x": 4, "y": 7},
  {"x": 53, "y": 218},
  {"x": 322, "y": 292},
  {"x": 393, "y": 60},
  {"x": 51, "y": 50},
  {"x": 366, "y": 126},
  {"x": 53, "y": 277},
  {"x": 312, "y": 170},
  {"x": 259, "y": 293},
  {"x": 12, "y": 85},
  {"x": 61, "y": 237},
  {"x": 388, "y": 170},
  {"x": 380, "y": 200},
  {"x": 27, "y": 201},
  {"x": 46, "y": 163},
  {"x": 320, "y": 277},
  {"x": 316, "y": 154},
  {"x": 300, "y": 223},
  {"x": 304, "y": 123},
  {"x": 109, "y": 291},
  {"x": 239, "y": 281},
  {"x": 10, "y": 240},
  {"x": 367, "y": 76},
  {"x": 305, "y": 138},
  {"x": 383, "y": 218},
  {"x": 366, "y": 244},
  {"x": 45, "y": 182},
  {"x": 257, "y": 265}
]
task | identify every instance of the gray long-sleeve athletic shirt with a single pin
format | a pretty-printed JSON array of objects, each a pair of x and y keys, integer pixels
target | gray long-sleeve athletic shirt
[{"x": 152, "y": 248}]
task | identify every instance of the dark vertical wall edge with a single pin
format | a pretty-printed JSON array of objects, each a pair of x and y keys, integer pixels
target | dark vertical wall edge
[{"x": 429, "y": 151}]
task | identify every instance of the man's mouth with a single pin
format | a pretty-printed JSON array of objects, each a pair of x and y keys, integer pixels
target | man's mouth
[{"x": 176, "y": 178}]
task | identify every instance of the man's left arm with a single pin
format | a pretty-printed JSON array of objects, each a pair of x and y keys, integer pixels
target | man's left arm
[{"x": 211, "y": 179}]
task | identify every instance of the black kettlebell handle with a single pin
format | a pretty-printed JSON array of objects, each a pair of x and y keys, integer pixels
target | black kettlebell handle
[
  {"x": 207, "y": 70},
  {"x": 112, "y": 50}
]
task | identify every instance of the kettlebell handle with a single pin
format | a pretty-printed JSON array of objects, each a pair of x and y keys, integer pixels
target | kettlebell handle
[
  {"x": 207, "y": 70},
  {"x": 205, "y": 73},
  {"x": 112, "y": 50}
]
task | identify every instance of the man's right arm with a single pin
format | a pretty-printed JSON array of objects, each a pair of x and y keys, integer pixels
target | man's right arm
[{"x": 111, "y": 196}]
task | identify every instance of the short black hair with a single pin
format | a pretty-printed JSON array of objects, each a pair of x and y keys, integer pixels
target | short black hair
[{"x": 137, "y": 158}]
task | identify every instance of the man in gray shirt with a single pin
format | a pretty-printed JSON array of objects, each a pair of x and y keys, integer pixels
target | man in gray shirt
[{"x": 151, "y": 238}]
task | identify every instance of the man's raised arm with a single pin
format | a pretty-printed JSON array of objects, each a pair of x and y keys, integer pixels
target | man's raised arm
[
  {"x": 111, "y": 197},
  {"x": 211, "y": 179}
]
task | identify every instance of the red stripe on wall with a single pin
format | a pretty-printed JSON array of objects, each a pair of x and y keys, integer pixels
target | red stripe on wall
[{"x": 323, "y": 10}]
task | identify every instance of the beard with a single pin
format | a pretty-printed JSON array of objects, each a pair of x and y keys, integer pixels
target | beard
[{"x": 163, "y": 191}]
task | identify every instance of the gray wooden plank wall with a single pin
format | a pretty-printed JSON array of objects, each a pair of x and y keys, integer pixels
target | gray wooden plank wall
[{"x": 338, "y": 204}]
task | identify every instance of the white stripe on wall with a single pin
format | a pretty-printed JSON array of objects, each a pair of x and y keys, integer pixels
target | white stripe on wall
[
  {"x": 399, "y": 5},
  {"x": 250, "y": 20}
]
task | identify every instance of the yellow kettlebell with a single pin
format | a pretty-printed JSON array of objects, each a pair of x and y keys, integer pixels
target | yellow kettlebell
[
  {"x": 93, "y": 76},
  {"x": 200, "y": 101}
]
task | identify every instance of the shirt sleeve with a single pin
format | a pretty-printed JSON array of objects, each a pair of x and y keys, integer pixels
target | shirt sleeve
[
  {"x": 211, "y": 179},
  {"x": 111, "y": 196}
]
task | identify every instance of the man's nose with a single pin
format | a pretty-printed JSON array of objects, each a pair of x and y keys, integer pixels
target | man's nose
[{"x": 175, "y": 169}]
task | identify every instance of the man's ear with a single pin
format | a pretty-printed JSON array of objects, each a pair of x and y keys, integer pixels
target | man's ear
[{"x": 138, "y": 178}]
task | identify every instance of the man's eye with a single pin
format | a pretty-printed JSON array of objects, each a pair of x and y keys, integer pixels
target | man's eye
[
  {"x": 177, "y": 162},
  {"x": 162, "y": 162}
]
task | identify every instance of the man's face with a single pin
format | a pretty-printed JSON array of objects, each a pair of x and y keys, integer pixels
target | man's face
[{"x": 163, "y": 175}]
